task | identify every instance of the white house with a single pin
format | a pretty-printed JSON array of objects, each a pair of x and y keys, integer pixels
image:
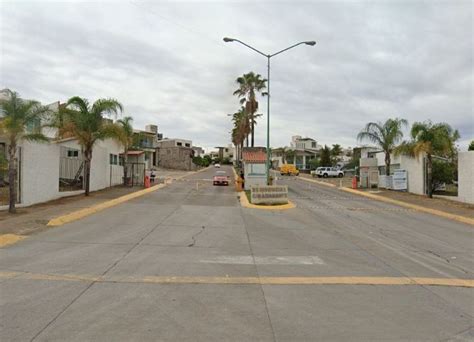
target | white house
[
  {"x": 42, "y": 167},
  {"x": 415, "y": 167}
]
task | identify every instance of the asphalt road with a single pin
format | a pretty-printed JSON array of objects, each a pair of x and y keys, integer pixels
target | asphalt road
[{"x": 181, "y": 264}]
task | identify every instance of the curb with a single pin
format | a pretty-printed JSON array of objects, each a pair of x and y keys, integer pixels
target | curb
[
  {"x": 436, "y": 212},
  {"x": 79, "y": 214},
  {"x": 244, "y": 202},
  {"x": 10, "y": 239}
]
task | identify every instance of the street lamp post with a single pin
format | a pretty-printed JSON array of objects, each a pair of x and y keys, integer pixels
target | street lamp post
[{"x": 268, "y": 56}]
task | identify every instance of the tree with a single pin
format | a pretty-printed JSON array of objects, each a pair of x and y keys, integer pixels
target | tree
[
  {"x": 250, "y": 85},
  {"x": 443, "y": 172},
  {"x": 20, "y": 120},
  {"x": 126, "y": 137},
  {"x": 240, "y": 130},
  {"x": 385, "y": 136},
  {"x": 471, "y": 146},
  {"x": 325, "y": 156},
  {"x": 336, "y": 150},
  {"x": 88, "y": 124},
  {"x": 289, "y": 156},
  {"x": 430, "y": 139},
  {"x": 314, "y": 163}
]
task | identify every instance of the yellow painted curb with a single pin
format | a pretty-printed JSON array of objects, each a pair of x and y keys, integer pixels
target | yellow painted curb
[
  {"x": 10, "y": 239},
  {"x": 76, "y": 215},
  {"x": 244, "y": 202},
  {"x": 342, "y": 280},
  {"x": 436, "y": 212},
  {"x": 317, "y": 182}
]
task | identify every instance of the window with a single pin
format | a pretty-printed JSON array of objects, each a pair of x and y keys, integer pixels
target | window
[
  {"x": 179, "y": 144},
  {"x": 73, "y": 153},
  {"x": 257, "y": 169},
  {"x": 313, "y": 144},
  {"x": 187, "y": 145},
  {"x": 113, "y": 159}
]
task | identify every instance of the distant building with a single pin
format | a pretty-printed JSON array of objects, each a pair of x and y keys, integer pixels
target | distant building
[
  {"x": 304, "y": 150},
  {"x": 226, "y": 152},
  {"x": 198, "y": 151},
  {"x": 175, "y": 154}
]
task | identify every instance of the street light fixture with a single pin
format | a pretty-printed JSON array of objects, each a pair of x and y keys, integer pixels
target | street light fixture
[{"x": 268, "y": 56}]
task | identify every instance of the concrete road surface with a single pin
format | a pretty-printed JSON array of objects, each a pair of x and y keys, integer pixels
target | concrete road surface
[{"x": 187, "y": 263}]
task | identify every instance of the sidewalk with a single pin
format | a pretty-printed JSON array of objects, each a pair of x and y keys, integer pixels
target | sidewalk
[
  {"x": 441, "y": 204},
  {"x": 34, "y": 219}
]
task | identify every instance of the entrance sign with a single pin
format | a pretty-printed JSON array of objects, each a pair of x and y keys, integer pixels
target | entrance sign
[
  {"x": 271, "y": 194},
  {"x": 400, "y": 180}
]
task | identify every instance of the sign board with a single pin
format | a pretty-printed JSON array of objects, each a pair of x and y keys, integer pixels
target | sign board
[
  {"x": 271, "y": 194},
  {"x": 400, "y": 180}
]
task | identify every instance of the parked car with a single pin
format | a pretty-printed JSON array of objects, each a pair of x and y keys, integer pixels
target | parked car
[
  {"x": 289, "y": 169},
  {"x": 327, "y": 172},
  {"x": 220, "y": 178},
  {"x": 217, "y": 165}
]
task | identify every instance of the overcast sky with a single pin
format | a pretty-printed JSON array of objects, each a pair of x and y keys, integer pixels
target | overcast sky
[{"x": 166, "y": 62}]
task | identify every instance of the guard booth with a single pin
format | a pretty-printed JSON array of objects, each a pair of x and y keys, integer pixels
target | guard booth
[
  {"x": 369, "y": 173},
  {"x": 254, "y": 165}
]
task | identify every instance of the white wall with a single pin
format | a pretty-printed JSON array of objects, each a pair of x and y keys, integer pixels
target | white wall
[
  {"x": 415, "y": 173},
  {"x": 40, "y": 170},
  {"x": 414, "y": 167},
  {"x": 39, "y": 173},
  {"x": 101, "y": 168},
  {"x": 465, "y": 177}
]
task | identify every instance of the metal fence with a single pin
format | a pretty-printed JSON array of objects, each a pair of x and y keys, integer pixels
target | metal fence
[
  {"x": 71, "y": 174},
  {"x": 135, "y": 174}
]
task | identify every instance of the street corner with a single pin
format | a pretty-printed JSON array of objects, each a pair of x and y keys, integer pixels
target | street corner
[{"x": 10, "y": 239}]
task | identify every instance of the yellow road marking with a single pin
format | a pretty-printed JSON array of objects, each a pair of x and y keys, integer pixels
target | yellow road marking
[
  {"x": 76, "y": 215},
  {"x": 386, "y": 281},
  {"x": 244, "y": 202},
  {"x": 440, "y": 213},
  {"x": 9, "y": 239}
]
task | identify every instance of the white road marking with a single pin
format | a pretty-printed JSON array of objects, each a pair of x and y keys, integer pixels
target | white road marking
[{"x": 265, "y": 260}]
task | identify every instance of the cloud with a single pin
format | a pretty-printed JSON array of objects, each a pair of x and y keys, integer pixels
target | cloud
[{"x": 167, "y": 64}]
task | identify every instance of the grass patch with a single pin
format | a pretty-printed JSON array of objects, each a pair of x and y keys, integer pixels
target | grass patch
[{"x": 247, "y": 193}]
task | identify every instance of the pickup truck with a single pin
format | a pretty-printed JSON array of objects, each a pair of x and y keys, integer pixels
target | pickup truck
[
  {"x": 327, "y": 172},
  {"x": 220, "y": 178}
]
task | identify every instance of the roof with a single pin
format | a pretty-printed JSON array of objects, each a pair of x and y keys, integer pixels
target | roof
[
  {"x": 254, "y": 156},
  {"x": 133, "y": 153}
]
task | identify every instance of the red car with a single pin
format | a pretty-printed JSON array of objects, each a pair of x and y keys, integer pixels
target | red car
[{"x": 220, "y": 178}]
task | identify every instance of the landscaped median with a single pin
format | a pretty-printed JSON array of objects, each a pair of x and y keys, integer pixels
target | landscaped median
[
  {"x": 264, "y": 197},
  {"x": 244, "y": 202}
]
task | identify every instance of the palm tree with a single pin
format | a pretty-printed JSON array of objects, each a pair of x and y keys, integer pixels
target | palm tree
[
  {"x": 241, "y": 128},
  {"x": 385, "y": 136},
  {"x": 336, "y": 150},
  {"x": 250, "y": 85},
  {"x": 88, "y": 124},
  {"x": 125, "y": 136},
  {"x": 20, "y": 120},
  {"x": 325, "y": 156},
  {"x": 430, "y": 139}
]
